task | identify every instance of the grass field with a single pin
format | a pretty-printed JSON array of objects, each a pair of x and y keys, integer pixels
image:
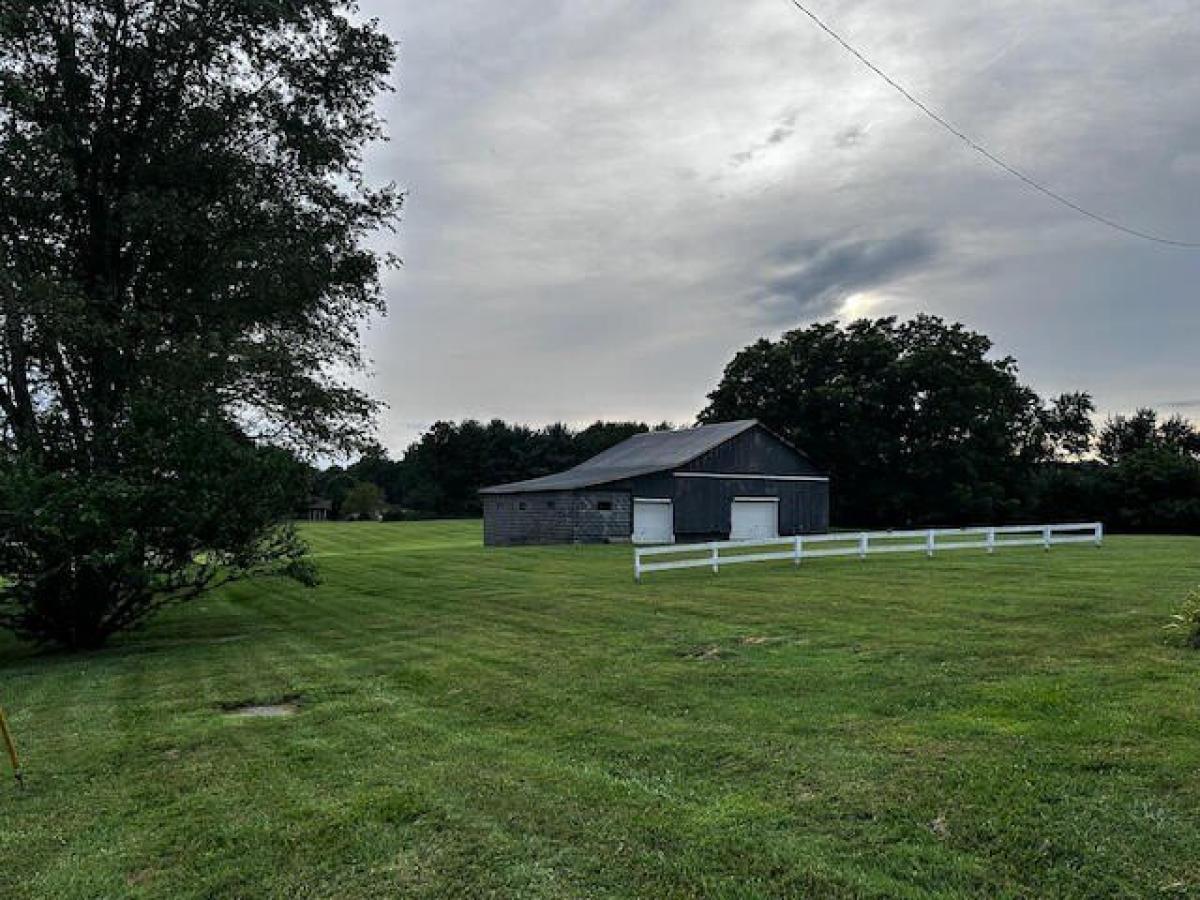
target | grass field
[{"x": 529, "y": 723}]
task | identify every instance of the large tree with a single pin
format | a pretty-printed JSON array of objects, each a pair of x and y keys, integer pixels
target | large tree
[
  {"x": 916, "y": 420},
  {"x": 182, "y": 267}
]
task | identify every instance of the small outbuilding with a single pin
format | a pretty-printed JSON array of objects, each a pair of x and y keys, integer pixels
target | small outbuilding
[
  {"x": 318, "y": 509},
  {"x": 731, "y": 480}
]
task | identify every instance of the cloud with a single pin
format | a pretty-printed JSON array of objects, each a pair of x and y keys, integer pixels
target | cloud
[
  {"x": 784, "y": 129},
  {"x": 812, "y": 279},
  {"x": 852, "y": 136},
  {"x": 1186, "y": 164},
  {"x": 608, "y": 199}
]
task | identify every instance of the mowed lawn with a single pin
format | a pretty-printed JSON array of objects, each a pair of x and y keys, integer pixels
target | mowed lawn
[{"x": 531, "y": 723}]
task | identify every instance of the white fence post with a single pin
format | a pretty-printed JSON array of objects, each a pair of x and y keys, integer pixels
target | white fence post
[
  {"x": 716, "y": 560},
  {"x": 1099, "y": 533},
  {"x": 863, "y": 545},
  {"x": 929, "y": 543},
  {"x": 637, "y": 564},
  {"x": 798, "y": 550},
  {"x": 1046, "y": 532},
  {"x": 991, "y": 540}
]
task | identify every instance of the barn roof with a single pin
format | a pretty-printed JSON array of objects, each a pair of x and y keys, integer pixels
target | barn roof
[{"x": 654, "y": 451}]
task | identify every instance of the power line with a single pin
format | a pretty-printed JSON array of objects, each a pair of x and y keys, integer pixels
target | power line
[{"x": 983, "y": 151}]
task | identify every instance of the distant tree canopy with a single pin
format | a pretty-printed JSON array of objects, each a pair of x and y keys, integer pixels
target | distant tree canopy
[
  {"x": 1147, "y": 477},
  {"x": 180, "y": 269},
  {"x": 1068, "y": 431},
  {"x": 363, "y": 500},
  {"x": 918, "y": 423},
  {"x": 1123, "y": 437},
  {"x": 442, "y": 472},
  {"x": 914, "y": 420}
]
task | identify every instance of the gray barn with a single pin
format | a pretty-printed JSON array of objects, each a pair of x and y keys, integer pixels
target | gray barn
[{"x": 734, "y": 480}]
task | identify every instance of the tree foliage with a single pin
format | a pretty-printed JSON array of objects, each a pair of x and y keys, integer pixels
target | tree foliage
[
  {"x": 181, "y": 267},
  {"x": 1125, "y": 436},
  {"x": 364, "y": 500},
  {"x": 1150, "y": 490},
  {"x": 442, "y": 472},
  {"x": 1067, "y": 426},
  {"x": 1055, "y": 477},
  {"x": 915, "y": 421}
]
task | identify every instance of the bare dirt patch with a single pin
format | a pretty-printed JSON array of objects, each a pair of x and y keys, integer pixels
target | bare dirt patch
[
  {"x": 727, "y": 648},
  {"x": 757, "y": 640},
  {"x": 278, "y": 708},
  {"x": 142, "y": 877},
  {"x": 705, "y": 651},
  {"x": 939, "y": 826}
]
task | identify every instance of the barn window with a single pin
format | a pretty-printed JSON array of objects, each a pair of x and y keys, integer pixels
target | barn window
[
  {"x": 549, "y": 504},
  {"x": 604, "y": 506},
  {"x": 521, "y": 505}
]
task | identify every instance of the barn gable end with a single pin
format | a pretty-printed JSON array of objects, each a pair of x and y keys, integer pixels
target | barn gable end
[{"x": 755, "y": 451}]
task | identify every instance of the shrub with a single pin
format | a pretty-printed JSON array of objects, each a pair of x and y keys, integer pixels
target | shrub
[{"x": 1185, "y": 622}]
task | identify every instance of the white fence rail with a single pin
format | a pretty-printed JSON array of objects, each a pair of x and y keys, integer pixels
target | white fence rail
[{"x": 863, "y": 544}]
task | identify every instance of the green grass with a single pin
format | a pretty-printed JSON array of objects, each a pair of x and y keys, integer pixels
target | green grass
[{"x": 529, "y": 723}]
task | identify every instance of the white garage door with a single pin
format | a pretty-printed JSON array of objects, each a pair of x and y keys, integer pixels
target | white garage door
[
  {"x": 754, "y": 519},
  {"x": 653, "y": 522}
]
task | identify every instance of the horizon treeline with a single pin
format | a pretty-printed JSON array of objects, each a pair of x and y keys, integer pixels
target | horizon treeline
[
  {"x": 440, "y": 474},
  {"x": 1137, "y": 475},
  {"x": 916, "y": 422}
]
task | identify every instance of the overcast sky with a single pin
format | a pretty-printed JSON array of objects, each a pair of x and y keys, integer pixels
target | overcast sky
[{"x": 609, "y": 198}]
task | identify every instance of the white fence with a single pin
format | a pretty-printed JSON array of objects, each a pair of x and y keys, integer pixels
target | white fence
[{"x": 863, "y": 544}]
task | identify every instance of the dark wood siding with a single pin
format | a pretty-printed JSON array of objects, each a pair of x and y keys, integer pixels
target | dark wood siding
[
  {"x": 660, "y": 486},
  {"x": 703, "y": 505},
  {"x": 753, "y": 452}
]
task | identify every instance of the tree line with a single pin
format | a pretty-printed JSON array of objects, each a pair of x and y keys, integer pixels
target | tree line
[
  {"x": 917, "y": 422},
  {"x": 441, "y": 473}
]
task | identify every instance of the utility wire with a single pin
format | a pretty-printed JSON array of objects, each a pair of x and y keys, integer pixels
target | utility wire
[{"x": 983, "y": 151}]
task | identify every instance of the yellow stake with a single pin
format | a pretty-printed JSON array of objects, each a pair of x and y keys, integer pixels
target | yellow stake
[{"x": 12, "y": 749}]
